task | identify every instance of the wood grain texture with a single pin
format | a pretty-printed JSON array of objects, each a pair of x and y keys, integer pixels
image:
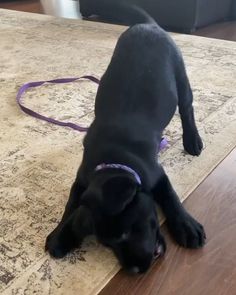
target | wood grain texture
[
  {"x": 211, "y": 270},
  {"x": 225, "y": 31},
  {"x": 23, "y": 5}
]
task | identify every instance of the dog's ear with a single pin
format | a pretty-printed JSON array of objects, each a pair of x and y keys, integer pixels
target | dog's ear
[{"x": 117, "y": 193}]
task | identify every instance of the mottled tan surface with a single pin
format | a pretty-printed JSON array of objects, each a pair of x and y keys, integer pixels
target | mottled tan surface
[{"x": 39, "y": 160}]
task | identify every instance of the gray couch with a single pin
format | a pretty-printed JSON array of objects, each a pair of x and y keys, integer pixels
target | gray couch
[{"x": 178, "y": 15}]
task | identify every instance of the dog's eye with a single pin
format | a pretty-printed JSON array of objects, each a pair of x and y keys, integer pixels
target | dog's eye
[
  {"x": 125, "y": 235},
  {"x": 136, "y": 228}
]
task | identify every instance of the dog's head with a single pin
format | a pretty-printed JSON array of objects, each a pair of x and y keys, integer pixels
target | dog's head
[{"x": 125, "y": 219}]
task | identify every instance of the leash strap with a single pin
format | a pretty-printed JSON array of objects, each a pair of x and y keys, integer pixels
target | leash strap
[{"x": 34, "y": 114}]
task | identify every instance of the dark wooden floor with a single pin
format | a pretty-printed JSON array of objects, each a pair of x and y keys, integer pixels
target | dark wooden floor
[
  {"x": 224, "y": 30},
  {"x": 22, "y": 5},
  {"x": 209, "y": 271}
]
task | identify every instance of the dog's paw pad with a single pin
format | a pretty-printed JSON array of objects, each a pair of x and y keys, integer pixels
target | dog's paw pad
[
  {"x": 55, "y": 247},
  {"x": 193, "y": 145},
  {"x": 188, "y": 232},
  {"x": 57, "y": 252}
]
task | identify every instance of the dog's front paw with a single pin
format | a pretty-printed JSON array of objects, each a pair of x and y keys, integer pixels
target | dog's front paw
[
  {"x": 187, "y": 231},
  {"x": 193, "y": 144},
  {"x": 58, "y": 244}
]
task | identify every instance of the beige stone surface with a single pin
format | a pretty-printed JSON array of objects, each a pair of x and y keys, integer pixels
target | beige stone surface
[{"x": 38, "y": 161}]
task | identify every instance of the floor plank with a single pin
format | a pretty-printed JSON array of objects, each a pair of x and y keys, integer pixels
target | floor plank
[
  {"x": 23, "y": 5},
  {"x": 224, "y": 30}
]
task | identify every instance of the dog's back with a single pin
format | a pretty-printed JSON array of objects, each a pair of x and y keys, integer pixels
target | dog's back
[
  {"x": 136, "y": 99},
  {"x": 140, "y": 79}
]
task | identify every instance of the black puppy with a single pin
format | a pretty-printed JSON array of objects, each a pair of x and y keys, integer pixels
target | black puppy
[{"x": 119, "y": 178}]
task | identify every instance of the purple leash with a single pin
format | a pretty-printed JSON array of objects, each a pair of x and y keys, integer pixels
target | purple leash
[
  {"x": 74, "y": 126},
  {"x": 44, "y": 118}
]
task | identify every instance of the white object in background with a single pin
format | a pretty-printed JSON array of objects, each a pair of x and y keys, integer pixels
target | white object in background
[{"x": 62, "y": 8}]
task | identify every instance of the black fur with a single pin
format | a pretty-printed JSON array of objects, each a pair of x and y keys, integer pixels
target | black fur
[{"x": 136, "y": 99}]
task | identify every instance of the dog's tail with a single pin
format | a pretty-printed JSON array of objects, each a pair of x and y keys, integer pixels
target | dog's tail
[
  {"x": 119, "y": 12},
  {"x": 139, "y": 15}
]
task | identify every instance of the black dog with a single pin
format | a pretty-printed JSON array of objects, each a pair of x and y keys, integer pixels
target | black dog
[{"x": 136, "y": 99}]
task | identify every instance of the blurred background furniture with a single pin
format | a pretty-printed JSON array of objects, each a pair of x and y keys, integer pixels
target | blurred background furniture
[
  {"x": 62, "y": 8},
  {"x": 176, "y": 15}
]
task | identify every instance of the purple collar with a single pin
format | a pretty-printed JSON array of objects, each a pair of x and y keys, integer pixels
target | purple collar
[{"x": 120, "y": 166}]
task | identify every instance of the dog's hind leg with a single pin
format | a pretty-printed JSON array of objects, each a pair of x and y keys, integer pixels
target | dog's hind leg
[{"x": 191, "y": 139}]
